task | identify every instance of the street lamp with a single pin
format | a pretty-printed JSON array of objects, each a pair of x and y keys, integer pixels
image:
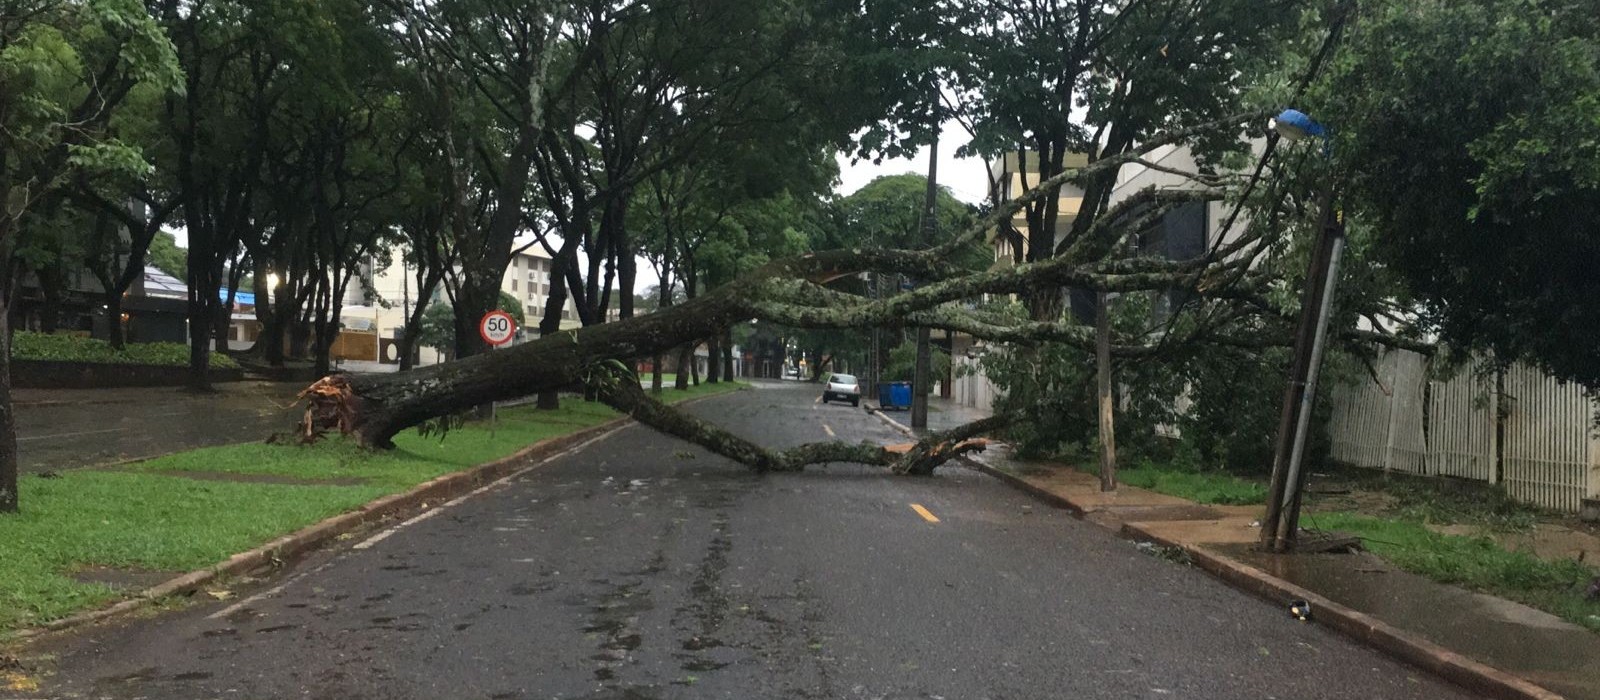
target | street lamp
[
  {"x": 1295, "y": 125},
  {"x": 1281, "y": 524}
]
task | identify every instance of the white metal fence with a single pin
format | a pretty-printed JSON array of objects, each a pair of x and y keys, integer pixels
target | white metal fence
[
  {"x": 971, "y": 387},
  {"x": 1543, "y": 450}
]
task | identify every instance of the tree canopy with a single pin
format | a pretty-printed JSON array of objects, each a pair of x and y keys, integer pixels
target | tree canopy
[{"x": 1469, "y": 132}]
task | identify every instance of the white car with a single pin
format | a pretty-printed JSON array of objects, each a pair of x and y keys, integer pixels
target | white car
[{"x": 842, "y": 387}]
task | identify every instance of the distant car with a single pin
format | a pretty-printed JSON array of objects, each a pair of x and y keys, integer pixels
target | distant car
[
  {"x": 791, "y": 373},
  {"x": 842, "y": 387}
]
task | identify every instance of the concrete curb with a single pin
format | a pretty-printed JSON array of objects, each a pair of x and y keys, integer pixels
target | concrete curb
[
  {"x": 1022, "y": 485},
  {"x": 1357, "y": 625},
  {"x": 277, "y": 551},
  {"x": 897, "y": 425}
]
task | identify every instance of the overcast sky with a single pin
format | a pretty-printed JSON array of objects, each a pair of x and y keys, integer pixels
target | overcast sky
[{"x": 965, "y": 176}]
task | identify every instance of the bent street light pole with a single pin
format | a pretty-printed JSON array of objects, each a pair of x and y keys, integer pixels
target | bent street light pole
[{"x": 1280, "y": 527}]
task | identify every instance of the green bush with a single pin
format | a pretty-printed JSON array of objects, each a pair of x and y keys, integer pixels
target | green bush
[{"x": 66, "y": 348}]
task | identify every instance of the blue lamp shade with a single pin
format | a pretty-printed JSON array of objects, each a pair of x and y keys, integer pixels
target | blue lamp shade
[{"x": 1295, "y": 125}]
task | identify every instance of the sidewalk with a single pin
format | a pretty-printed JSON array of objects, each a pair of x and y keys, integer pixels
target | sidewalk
[
  {"x": 943, "y": 414},
  {"x": 1358, "y": 594}
]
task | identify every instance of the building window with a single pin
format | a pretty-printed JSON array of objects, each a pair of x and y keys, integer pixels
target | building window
[{"x": 513, "y": 285}]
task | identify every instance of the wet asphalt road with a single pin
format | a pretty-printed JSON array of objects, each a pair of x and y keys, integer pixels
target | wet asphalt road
[
  {"x": 66, "y": 429},
  {"x": 641, "y": 568}
]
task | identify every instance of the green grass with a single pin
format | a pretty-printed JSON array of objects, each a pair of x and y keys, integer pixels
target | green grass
[
  {"x": 1200, "y": 487},
  {"x": 1477, "y": 563},
  {"x": 1210, "y": 488},
  {"x": 414, "y": 460},
  {"x": 67, "y": 348},
  {"x": 145, "y": 521},
  {"x": 147, "y": 518}
]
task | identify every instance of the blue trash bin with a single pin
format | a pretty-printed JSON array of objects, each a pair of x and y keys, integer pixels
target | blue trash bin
[{"x": 894, "y": 395}]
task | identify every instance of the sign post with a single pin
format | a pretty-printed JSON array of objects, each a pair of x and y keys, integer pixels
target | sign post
[{"x": 497, "y": 328}]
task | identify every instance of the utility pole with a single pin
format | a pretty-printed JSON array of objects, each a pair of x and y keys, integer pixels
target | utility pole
[
  {"x": 1281, "y": 526},
  {"x": 930, "y": 226}
]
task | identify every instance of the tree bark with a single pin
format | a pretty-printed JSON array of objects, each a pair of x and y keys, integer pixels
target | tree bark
[
  {"x": 919, "y": 381},
  {"x": 685, "y": 367},
  {"x": 10, "y": 464},
  {"x": 727, "y": 354},
  {"x": 407, "y": 342},
  {"x": 714, "y": 359},
  {"x": 665, "y": 291},
  {"x": 1108, "y": 428}
]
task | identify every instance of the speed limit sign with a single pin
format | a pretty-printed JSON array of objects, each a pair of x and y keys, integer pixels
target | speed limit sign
[{"x": 497, "y": 328}]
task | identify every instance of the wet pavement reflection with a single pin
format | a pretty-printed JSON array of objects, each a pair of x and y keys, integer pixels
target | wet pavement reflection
[
  {"x": 67, "y": 429},
  {"x": 1529, "y": 643}
]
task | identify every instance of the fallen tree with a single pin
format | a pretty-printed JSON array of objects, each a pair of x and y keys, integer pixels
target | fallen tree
[{"x": 794, "y": 292}]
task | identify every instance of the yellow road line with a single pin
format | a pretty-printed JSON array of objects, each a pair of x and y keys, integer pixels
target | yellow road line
[
  {"x": 924, "y": 513},
  {"x": 827, "y": 429}
]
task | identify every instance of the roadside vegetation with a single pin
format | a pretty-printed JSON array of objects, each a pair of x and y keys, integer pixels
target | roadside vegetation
[
  {"x": 1400, "y": 519},
  {"x": 1207, "y": 487},
  {"x": 26, "y": 345},
  {"x": 1478, "y": 563},
  {"x": 193, "y": 509}
]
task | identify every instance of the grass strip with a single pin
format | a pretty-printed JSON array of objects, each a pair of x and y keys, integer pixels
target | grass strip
[
  {"x": 1477, "y": 563},
  {"x": 1210, "y": 488}
]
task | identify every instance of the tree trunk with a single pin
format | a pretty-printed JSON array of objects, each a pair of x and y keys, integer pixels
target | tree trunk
[
  {"x": 114, "y": 333},
  {"x": 664, "y": 289},
  {"x": 554, "y": 306},
  {"x": 685, "y": 367},
  {"x": 919, "y": 381},
  {"x": 714, "y": 359},
  {"x": 1108, "y": 428},
  {"x": 10, "y": 465},
  {"x": 50, "y": 312},
  {"x": 199, "y": 347},
  {"x": 727, "y": 354},
  {"x": 275, "y": 323},
  {"x": 407, "y": 342},
  {"x": 473, "y": 300},
  {"x": 225, "y": 321},
  {"x": 261, "y": 286},
  {"x": 387, "y": 403},
  {"x": 300, "y": 335}
]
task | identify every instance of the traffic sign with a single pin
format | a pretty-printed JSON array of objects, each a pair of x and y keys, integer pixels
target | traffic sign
[{"x": 497, "y": 328}]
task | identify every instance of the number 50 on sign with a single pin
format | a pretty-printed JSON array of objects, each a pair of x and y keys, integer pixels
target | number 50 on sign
[{"x": 497, "y": 328}]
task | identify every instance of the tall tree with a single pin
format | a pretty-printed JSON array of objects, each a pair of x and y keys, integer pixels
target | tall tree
[
  {"x": 486, "y": 64},
  {"x": 65, "y": 68},
  {"x": 1467, "y": 135}
]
